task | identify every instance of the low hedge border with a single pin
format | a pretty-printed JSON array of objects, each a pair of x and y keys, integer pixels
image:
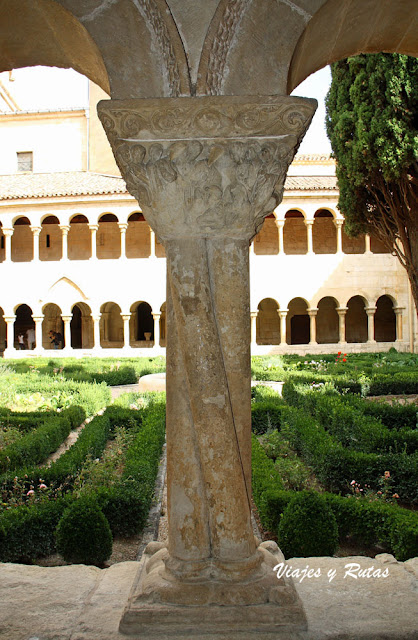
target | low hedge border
[
  {"x": 34, "y": 447},
  {"x": 367, "y": 522},
  {"x": 28, "y": 532},
  {"x": 348, "y": 423}
]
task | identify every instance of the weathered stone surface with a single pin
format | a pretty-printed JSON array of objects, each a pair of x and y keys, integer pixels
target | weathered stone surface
[{"x": 85, "y": 603}]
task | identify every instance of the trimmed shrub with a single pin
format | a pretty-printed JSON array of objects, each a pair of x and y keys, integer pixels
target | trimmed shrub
[
  {"x": 308, "y": 527},
  {"x": 83, "y": 534},
  {"x": 266, "y": 415}
]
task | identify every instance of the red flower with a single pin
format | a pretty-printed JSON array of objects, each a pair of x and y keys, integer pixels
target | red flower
[
  {"x": 339, "y": 353},
  {"x": 344, "y": 360}
]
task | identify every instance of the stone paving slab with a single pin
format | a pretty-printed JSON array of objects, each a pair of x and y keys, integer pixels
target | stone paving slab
[{"x": 85, "y": 603}]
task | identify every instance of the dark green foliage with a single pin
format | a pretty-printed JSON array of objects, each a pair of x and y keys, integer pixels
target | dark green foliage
[
  {"x": 266, "y": 415},
  {"x": 83, "y": 534},
  {"x": 36, "y": 445},
  {"x": 264, "y": 473},
  {"x": 27, "y": 533},
  {"x": 371, "y": 121},
  {"x": 308, "y": 527}
]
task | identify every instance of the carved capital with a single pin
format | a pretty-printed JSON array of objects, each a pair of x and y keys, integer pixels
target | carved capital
[{"x": 206, "y": 167}]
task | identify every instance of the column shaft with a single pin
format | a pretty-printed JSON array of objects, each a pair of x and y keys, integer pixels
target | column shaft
[
  {"x": 126, "y": 341},
  {"x": 67, "y": 331},
  {"x": 283, "y": 316},
  {"x": 341, "y": 317},
  {"x": 64, "y": 230},
  {"x": 312, "y": 319},
  {"x": 370, "y": 323},
  {"x": 309, "y": 225},
  {"x": 7, "y": 244},
  {"x": 156, "y": 317},
  {"x": 93, "y": 228},
  {"x": 123, "y": 227},
  {"x": 36, "y": 231}
]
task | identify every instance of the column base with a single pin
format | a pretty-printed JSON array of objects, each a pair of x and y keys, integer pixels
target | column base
[{"x": 162, "y": 605}]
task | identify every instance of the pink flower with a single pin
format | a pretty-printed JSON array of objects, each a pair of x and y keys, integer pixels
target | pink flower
[
  {"x": 387, "y": 474},
  {"x": 353, "y": 482},
  {"x": 42, "y": 486},
  {"x": 395, "y": 495},
  {"x": 30, "y": 492}
]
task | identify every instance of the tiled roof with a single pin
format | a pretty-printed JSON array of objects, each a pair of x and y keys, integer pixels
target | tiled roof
[
  {"x": 71, "y": 183},
  {"x": 78, "y": 183},
  {"x": 309, "y": 183},
  {"x": 319, "y": 158}
]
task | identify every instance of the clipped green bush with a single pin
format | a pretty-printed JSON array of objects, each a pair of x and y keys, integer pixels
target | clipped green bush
[
  {"x": 308, "y": 527},
  {"x": 83, "y": 534}
]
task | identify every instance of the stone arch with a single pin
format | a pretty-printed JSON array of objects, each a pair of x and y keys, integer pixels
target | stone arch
[
  {"x": 353, "y": 27},
  {"x": 108, "y": 237},
  {"x": 268, "y": 322},
  {"x": 356, "y": 320},
  {"x": 327, "y": 321},
  {"x": 81, "y": 326},
  {"x": 138, "y": 236},
  {"x": 266, "y": 242},
  {"x": 3, "y": 331},
  {"x": 385, "y": 320},
  {"x": 111, "y": 326},
  {"x": 79, "y": 238},
  {"x": 141, "y": 324},
  {"x": 295, "y": 238},
  {"x": 324, "y": 232},
  {"x": 65, "y": 293},
  {"x": 377, "y": 246},
  {"x": 22, "y": 240},
  {"x": 52, "y": 322},
  {"x": 23, "y": 323},
  {"x": 50, "y": 239},
  {"x": 44, "y": 33},
  {"x": 297, "y": 322}
]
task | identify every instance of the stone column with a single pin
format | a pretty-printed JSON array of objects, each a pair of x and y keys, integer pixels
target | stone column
[
  {"x": 341, "y": 316},
  {"x": 254, "y": 315},
  {"x": 126, "y": 341},
  {"x": 96, "y": 332},
  {"x": 10, "y": 350},
  {"x": 399, "y": 322},
  {"x": 153, "y": 243},
  {"x": 339, "y": 224},
  {"x": 280, "y": 227},
  {"x": 36, "y": 231},
  {"x": 94, "y": 229},
  {"x": 38, "y": 333},
  {"x": 156, "y": 317},
  {"x": 312, "y": 313},
  {"x": 367, "y": 243},
  {"x": 309, "y": 225},
  {"x": 123, "y": 227},
  {"x": 7, "y": 243},
  {"x": 370, "y": 323},
  {"x": 205, "y": 182},
  {"x": 67, "y": 332},
  {"x": 283, "y": 315},
  {"x": 64, "y": 230}
]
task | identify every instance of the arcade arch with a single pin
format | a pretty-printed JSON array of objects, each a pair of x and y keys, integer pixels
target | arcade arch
[
  {"x": 79, "y": 238},
  {"x": 23, "y": 323},
  {"x": 52, "y": 322},
  {"x": 268, "y": 322},
  {"x": 141, "y": 324},
  {"x": 111, "y": 326},
  {"x": 356, "y": 324},
  {"x": 295, "y": 240},
  {"x": 298, "y": 322},
  {"x": 327, "y": 321},
  {"x": 81, "y": 327},
  {"x": 50, "y": 239},
  {"x": 324, "y": 232},
  {"x": 385, "y": 320},
  {"x": 22, "y": 240},
  {"x": 138, "y": 237},
  {"x": 108, "y": 237}
]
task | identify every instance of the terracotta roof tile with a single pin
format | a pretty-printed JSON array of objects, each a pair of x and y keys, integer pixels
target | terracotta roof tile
[
  {"x": 71, "y": 183},
  {"x": 78, "y": 183},
  {"x": 308, "y": 183}
]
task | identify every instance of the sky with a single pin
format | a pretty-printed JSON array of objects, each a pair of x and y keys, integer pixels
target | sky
[{"x": 50, "y": 88}]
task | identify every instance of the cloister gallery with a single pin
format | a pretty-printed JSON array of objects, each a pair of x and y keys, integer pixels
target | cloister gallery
[{"x": 69, "y": 238}]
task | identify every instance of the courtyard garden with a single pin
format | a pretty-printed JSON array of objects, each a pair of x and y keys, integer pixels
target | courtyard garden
[{"x": 335, "y": 458}]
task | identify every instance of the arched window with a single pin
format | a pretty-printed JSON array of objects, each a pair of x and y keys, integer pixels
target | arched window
[
  {"x": 268, "y": 322},
  {"x": 108, "y": 237},
  {"x": 22, "y": 241},
  {"x": 79, "y": 238},
  {"x": 298, "y": 322},
  {"x": 111, "y": 326},
  {"x": 52, "y": 322},
  {"x": 295, "y": 238},
  {"x": 138, "y": 239},
  {"x": 356, "y": 320},
  {"x": 384, "y": 320},
  {"x": 50, "y": 239},
  {"x": 324, "y": 232},
  {"x": 81, "y": 327},
  {"x": 23, "y": 323},
  {"x": 327, "y": 321}
]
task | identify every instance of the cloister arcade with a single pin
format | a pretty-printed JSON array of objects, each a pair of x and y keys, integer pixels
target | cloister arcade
[{"x": 109, "y": 236}]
